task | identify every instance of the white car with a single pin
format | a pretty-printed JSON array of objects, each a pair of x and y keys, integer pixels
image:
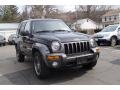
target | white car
[{"x": 110, "y": 35}]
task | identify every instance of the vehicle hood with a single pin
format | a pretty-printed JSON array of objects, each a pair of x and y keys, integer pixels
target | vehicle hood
[{"x": 62, "y": 36}]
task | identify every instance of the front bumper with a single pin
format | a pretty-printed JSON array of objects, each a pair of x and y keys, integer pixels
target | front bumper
[
  {"x": 2, "y": 41},
  {"x": 102, "y": 40},
  {"x": 70, "y": 60}
]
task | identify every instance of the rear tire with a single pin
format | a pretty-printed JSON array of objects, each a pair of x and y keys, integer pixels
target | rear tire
[
  {"x": 90, "y": 65},
  {"x": 40, "y": 68},
  {"x": 20, "y": 56}
]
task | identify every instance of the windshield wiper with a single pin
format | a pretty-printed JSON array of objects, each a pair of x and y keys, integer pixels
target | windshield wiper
[
  {"x": 42, "y": 31},
  {"x": 60, "y": 30}
]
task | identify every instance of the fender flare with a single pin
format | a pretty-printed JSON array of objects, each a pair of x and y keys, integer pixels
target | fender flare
[{"x": 43, "y": 50}]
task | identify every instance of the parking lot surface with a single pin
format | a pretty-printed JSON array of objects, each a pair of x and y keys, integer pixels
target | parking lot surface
[{"x": 106, "y": 72}]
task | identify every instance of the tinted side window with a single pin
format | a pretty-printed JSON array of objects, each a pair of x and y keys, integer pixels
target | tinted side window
[
  {"x": 18, "y": 30},
  {"x": 27, "y": 27},
  {"x": 22, "y": 27}
]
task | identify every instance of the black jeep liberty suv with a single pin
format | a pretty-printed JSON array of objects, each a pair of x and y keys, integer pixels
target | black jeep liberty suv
[{"x": 53, "y": 45}]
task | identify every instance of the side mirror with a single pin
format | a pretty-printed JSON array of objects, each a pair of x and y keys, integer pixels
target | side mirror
[
  {"x": 118, "y": 29},
  {"x": 25, "y": 33},
  {"x": 74, "y": 30}
]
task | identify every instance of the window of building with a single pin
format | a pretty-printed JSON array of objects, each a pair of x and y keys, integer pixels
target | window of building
[
  {"x": 105, "y": 19},
  {"x": 109, "y": 18},
  {"x": 114, "y": 17}
]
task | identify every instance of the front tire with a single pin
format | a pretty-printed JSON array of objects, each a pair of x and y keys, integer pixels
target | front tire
[
  {"x": 90, "y": 65},
  {"x": 113, "y": 41},
  {"x": 20, "y": 56},
  {"x": 40, "y": 68}
]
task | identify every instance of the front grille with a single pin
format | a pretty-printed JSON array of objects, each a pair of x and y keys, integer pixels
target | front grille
[{"x": 76, "y": 47}]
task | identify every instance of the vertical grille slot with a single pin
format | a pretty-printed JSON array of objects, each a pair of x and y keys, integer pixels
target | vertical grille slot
[
  {"x": 66, "y": 49},
  {"x": 82, "y": 47},
  {"x": 76, "y": 47},
  {"x": 70, "y": 48}
]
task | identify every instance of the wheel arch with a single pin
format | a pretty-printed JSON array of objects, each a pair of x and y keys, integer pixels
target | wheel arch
[
  {"x": 114, "y": 37},
  {"x": 42, "y": 49}
]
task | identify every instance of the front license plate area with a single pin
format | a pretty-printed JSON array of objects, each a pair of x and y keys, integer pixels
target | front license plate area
[{"x": 81, "y": 60}]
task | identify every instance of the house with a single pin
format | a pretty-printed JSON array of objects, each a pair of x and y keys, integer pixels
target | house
[
  {"x": 111, "y": 17},
  {"x": 6, "y": 29},
  {"x": 86, "y": 25}
]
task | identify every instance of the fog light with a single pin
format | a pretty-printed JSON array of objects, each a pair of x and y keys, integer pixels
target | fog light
[
  {"x": 55, "y": 64},
  {"x": 97, "y": 49},
  {"x": 52, "y": 58}
]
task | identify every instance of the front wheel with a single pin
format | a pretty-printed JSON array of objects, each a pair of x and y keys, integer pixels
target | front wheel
[
  {"x": 20, "y": 57},
  {"x": 41, "y": 70},
  {"x": 90, "y": 65},
  {"x": 113, "y": 41}
]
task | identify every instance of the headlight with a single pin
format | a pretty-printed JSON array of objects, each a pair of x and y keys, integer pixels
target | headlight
[
  {"x": 92, "y": 43},
  {"x": 55, "y": 46}
]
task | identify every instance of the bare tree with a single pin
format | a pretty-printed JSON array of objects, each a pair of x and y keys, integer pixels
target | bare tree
[
  {"x": 43, "y": 11},
  {"x": 92, "y": 11}
]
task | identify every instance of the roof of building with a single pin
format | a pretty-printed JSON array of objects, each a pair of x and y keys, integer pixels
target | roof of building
[
  {"x": 86, "y": 24},
  {"x": 8, "y": 26},
  {"x": 81, "y": 21},
  {"x": 112, "y": 12}
]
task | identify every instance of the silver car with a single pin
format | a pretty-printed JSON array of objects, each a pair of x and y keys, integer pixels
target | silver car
[
  {"x": 11, "y": 39},
  {"x": 2, "y": 41},
  {"x": 110, "y": 35}
]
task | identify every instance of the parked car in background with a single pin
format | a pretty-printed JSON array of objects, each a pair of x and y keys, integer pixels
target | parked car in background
[
  {"x": 53, "y": 45},
  {"x": 109, "y": 35},
  {"x": 2, "y": 41},
  {"x": 12, "y": 38}
]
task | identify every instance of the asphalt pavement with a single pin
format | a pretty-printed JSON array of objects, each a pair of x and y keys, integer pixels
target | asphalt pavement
[{"x": 106, "y": 72}]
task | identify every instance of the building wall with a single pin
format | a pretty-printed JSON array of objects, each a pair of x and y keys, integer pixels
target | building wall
[
  {"x": 113, "y": 19},
  {"x": 7, "y": 33}
]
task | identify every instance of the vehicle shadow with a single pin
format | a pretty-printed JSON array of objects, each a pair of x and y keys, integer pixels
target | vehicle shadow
[{"x": 28, "y": 77}]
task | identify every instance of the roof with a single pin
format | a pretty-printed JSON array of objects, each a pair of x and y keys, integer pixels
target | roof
[
  {"x": 8, "y": 26},
  {"x": 81, "y": 21},
  {"x": 112, "y": 12},
  {"x": 86, "y": 24}
]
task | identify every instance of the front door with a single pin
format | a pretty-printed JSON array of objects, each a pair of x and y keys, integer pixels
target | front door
[{"x": 27, "y": 40}]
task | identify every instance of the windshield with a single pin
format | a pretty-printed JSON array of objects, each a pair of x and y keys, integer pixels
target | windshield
[
  {"x": 110, "y": 28},
  {"x": 49, "y": 25}
]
